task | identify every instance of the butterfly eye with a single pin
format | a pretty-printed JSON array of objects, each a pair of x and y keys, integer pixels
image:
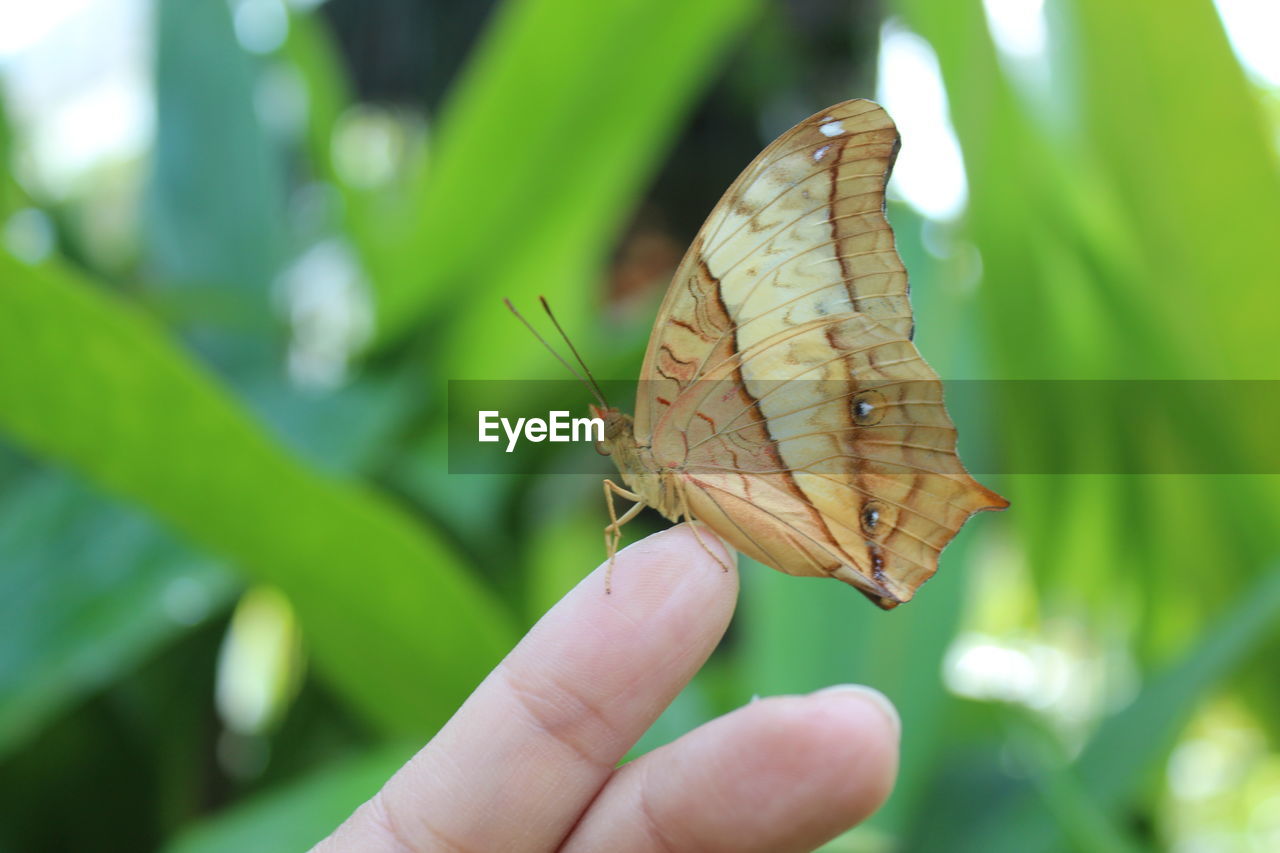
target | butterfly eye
[
  {"x": 867, "y": 408},
  {"x": 871, "y": 515}
]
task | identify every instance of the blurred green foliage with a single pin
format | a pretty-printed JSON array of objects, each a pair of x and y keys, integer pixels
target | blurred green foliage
[{"x": 167, "y": 446}]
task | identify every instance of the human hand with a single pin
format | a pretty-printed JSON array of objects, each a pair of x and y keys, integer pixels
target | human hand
[{"x": 529, "y": 762}]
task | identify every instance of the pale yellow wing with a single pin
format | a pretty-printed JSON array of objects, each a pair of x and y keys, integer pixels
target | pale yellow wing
[
  {"x": 800, "y": 234},
  {"x": 781, "y": 380}
]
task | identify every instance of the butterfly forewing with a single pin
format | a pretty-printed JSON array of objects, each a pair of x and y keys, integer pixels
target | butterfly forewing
[{"x": 781, "y": 381}]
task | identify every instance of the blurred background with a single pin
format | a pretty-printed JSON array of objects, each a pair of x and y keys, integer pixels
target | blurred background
[{"x": 245, "y": 243}]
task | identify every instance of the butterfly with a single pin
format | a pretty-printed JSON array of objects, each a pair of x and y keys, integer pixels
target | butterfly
[{"x": 782, "y": 402}]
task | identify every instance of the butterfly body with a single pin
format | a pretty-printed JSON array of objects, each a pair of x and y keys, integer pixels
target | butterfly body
[
  {"x": 654, "y": 485},
  {"x": 782, "y": 401}
]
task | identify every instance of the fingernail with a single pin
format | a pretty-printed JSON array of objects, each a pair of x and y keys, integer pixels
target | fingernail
[{"x": 874, "y": 696}]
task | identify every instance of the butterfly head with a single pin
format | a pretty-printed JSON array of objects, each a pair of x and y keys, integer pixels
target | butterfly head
[{"x": 616, "y": 426}]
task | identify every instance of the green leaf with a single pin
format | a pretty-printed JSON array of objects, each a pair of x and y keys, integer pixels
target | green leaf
[
  {"x": 9, "y": 193},
  {"x": 1092, "y": 202},
  {"x": 311, "y": 50},
  {"x": 562, "y": 113},
  {"x": 1078, "y": 819},
  {"x": 1202, "y": 151},
  {"x": 1130, "y": 745},
  {"x": 88, "y": 589},
  {"x": 1076, "y": 285},
  {"x": 391, "y": 616},
  {"x": 216, "y": 196},
  {"x": 297, "y": 816},
  {"x": 564, "y": 546},
  {"x": 1127, "y": 749}
]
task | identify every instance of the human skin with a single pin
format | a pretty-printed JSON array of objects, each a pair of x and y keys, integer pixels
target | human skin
[{"x": 530, "y": 760}]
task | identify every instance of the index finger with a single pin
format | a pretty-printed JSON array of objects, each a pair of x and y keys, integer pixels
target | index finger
[{"x": 523, "y": 757}]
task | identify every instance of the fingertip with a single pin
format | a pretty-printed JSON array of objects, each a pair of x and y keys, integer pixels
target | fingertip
[
  {"x": 698, "y": 541},
  {"x": 869, "y": 696},
  {"x": 683, "y": 553},
  {"x": 666, "y": 582},
  {"x": 723, "y": 553},
  {"x": 843, "y": 741},
  {"x": 794, "y": 771},
  {"x": 862, "y": 732}
]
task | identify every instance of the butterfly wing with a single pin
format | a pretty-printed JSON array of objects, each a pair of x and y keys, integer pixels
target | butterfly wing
[{"x": 781, "y": 380}]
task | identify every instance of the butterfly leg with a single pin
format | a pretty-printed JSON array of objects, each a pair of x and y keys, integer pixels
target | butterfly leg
[
  {"x": 613, "y": 533},
  {"x": 694, "y": 525}
]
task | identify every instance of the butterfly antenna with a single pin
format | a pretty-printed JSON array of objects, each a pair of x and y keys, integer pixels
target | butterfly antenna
[
  {"x": 591, "y": 386},
  {"x": 596, "y": 385}
]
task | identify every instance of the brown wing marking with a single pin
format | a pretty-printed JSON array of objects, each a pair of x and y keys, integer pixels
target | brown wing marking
[
  {"x": 761, "y": 532},
  {"x": 674, "y": 363},
  {"x": 750, "y": 444},
  {"x": 839, "y": 204},
  {"x": 902, "y": 465}
]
